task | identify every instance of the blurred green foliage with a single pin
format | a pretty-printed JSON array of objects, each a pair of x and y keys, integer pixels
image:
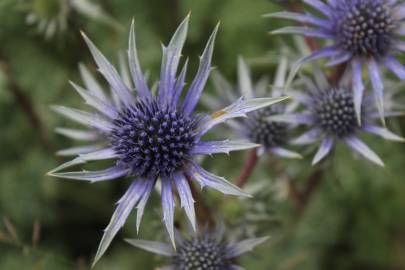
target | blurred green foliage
[{"x": 354, "y": 220}]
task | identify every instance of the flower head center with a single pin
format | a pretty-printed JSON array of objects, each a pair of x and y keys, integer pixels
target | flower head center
[
  {"x": 153, "y": 141},
  {"x": 365, "y": 27},
  {"x": 335, "y": 113},
  {"x": 264, "y": 132},
  {"x": 203, "y": 254}
]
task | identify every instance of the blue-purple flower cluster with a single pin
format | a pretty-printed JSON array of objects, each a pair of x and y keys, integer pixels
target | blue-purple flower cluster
[
  {"x": 364, "y": 34},
  {"x": 151, "y": 138}
]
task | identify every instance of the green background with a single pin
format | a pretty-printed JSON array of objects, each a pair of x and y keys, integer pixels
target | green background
[{"x": 355, "y": 219}]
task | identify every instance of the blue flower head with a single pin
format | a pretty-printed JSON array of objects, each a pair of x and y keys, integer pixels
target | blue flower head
[
  {"x": 364, "y": 33},
  {"x": 329, "y": 113},
  {"x": 151, "y": 138},
  {"x": 204, "y": 250},
  {"x": 272, "y": 136}
]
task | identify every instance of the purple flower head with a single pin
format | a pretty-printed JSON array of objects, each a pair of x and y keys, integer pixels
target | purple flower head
[
  {"x": 364, "y": 33},
  {"x": 204, "y": 251},
  {"x": 151, "y": 138},
  {"x": 330, "y": 114},
  {"x": 272, "y": 136}
]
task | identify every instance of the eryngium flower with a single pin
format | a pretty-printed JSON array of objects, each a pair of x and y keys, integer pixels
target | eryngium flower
[
  {"x": 331, "y": 116},
  {"x": 257, "y": 128},
  {"x": 152, "y": 138},
  {"x": 204, "y": 251},
  {"x": 364, "y": 33}
]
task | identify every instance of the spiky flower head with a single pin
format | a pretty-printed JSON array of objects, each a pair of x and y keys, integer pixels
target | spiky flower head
[
  {"x": 364, "y": 33},
  {"x": 264, "y": 132},
  {"x": 257, "y": 128},
  {"x": 152, "y": 138},
  {"x": 330, "y": 114},
  {"x": 203, "y": 251}
]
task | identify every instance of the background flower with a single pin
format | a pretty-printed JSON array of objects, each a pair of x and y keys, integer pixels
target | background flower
[
  {"x": 272, "y": 136},
  {"x": 330, "y": 114},
  {"x": 364, "y": 33},
  {"x": 204, "y": 250}
]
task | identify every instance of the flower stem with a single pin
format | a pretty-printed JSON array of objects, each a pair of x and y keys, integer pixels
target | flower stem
[
  {"x": 248, "y": 168},
  {"x": 302, "y": 198},
  {"x": 204, "y": 213},
  {"x": 296, "y": 7},
  {"x": 337, "y": 74}
]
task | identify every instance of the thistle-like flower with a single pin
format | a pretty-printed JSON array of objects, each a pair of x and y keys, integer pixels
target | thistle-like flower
[
  {"x": 331, "y": 116},
  {"x": 203, "y": 251},
  {"x": 257, "y": 128},
  {"x": 153, "y": 138},
  {"x": 364, "y": 33}
]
